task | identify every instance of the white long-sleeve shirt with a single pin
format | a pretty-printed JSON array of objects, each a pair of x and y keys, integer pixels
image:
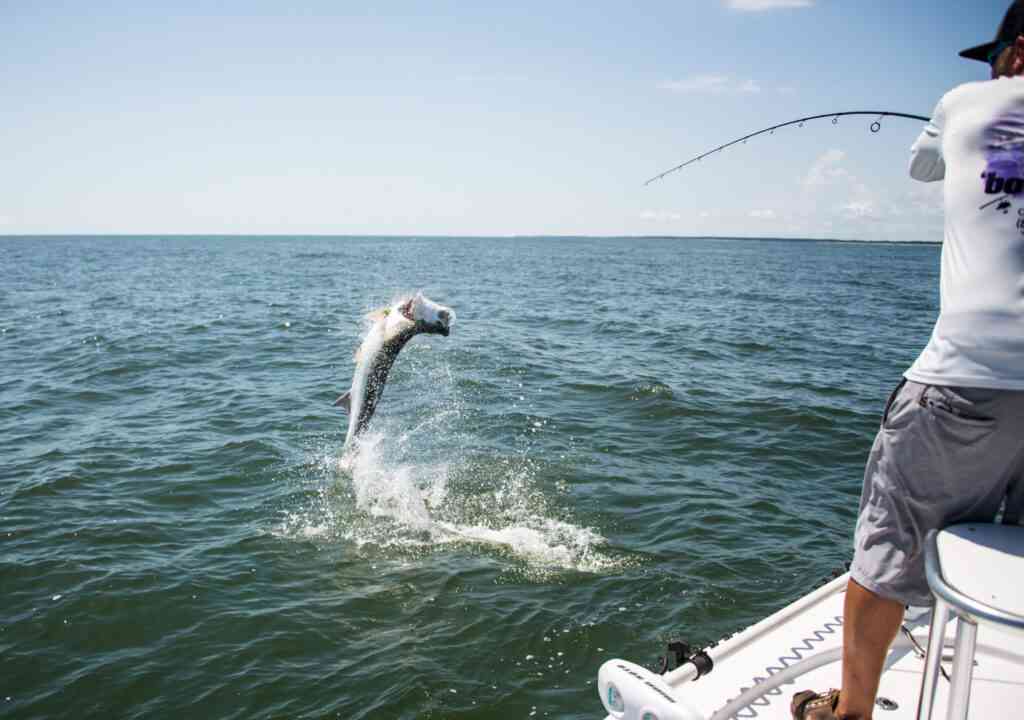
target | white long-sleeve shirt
[{"x": 975, "y": 143}]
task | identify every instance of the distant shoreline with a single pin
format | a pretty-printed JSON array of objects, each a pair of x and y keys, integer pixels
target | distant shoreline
[{"x": 147, "y": 236}]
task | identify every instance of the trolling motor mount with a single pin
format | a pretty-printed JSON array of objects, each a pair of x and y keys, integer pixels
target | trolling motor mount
[
  {"x": 684, "y": 653},
  {"x": 703, "y": 662},
  {"x": 680, "y": 649}
]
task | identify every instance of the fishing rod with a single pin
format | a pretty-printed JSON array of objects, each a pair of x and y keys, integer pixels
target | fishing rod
[{"x": 875, "y": 127}]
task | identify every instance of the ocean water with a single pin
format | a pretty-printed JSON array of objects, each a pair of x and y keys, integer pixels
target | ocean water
[{"x": 623, "y": 441}]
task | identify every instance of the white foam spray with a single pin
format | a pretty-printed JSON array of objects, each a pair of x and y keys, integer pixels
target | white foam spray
[{"x": 424, "y": 487}]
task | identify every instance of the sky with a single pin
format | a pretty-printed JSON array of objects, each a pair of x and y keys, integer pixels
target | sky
[{"x": 484, "y": 118}]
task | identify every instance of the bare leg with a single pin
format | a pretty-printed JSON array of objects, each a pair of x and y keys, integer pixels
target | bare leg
[{"x": 870, "y": 623}]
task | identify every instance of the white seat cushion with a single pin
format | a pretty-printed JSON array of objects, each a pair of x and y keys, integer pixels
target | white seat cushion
[{"x": 985, "y": 562}]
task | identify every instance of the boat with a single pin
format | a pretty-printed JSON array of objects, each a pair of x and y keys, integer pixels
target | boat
[{"x": 755, "y": 673}]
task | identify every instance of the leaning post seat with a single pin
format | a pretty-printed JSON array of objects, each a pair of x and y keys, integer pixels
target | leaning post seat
[{"x": 976, "y": 573}]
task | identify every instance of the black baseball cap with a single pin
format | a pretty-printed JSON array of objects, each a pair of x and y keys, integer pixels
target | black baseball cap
[{"x": 1009, "y": 29}]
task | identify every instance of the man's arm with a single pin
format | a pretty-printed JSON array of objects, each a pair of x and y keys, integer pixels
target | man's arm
[{"x": 926, "y": 162}]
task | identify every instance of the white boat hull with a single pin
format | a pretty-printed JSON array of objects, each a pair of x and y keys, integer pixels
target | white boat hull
[{"x": 757, "y": 671}]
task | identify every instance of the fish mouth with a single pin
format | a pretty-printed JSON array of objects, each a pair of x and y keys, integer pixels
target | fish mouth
[{"x": 437, "y": 328}]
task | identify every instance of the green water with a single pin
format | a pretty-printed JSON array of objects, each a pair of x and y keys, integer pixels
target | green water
[{"x": 622, "y": 441}]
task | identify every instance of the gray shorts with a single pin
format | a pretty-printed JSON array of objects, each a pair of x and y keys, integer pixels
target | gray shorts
[{"x": 943, "y": 455}]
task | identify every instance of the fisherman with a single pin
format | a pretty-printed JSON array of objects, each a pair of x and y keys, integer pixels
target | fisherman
[{"x": 951, "y": 444}]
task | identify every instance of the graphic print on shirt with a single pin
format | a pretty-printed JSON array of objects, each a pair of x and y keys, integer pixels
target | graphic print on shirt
[{"x": 1004, "y": 167}]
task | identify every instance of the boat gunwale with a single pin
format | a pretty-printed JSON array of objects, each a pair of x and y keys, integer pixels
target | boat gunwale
[{"x": 721, "y": 652}]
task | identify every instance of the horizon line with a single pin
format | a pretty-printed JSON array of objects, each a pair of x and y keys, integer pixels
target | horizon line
[{"x": 418, "y": 236}]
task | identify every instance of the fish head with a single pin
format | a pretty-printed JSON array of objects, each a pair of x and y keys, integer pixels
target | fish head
[{"x": 430, "y": 317}]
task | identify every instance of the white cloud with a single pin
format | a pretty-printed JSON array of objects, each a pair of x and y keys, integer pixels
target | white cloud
[
  {"x": 834, "y": 198},
  {"x": 712, "y": 84},
  {"x": 826, "y": 170},
  {"x": 830, "y": 197},
  {"x": 859, "y": 210},
  {"x": 660, "y": 215},
  {"x": 923, "y": 199},
  {"x": 762, "y": 5}
]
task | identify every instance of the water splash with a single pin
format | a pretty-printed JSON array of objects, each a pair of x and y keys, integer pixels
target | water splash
[
  {"x": 427, "y": 488},
  {"x": 399, "y": 491}
]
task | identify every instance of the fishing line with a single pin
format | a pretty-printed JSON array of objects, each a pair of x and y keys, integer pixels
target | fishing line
[{"x": 874, "y": 127}]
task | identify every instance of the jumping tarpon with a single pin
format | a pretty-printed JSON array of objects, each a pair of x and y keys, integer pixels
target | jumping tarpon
[{"x": 390, "y": 329}]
